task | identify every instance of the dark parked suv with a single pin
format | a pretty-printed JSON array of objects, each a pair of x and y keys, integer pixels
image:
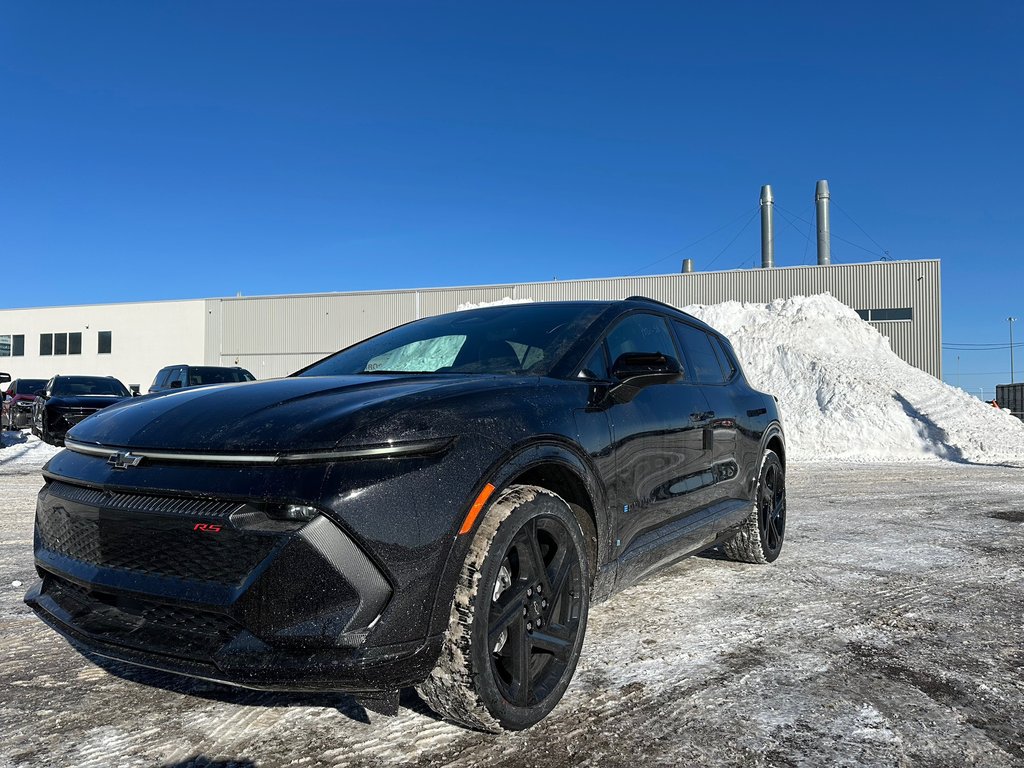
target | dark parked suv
[
  {"x": 435, "y": 506},
  {"x": 67, "y": 400},
  {"x": 184, "y": 376},
  {"x": 17, "y": 403}
]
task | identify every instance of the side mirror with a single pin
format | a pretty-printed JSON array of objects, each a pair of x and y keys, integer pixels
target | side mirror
[
  {"x": 176, "y": 384},
  {"x": 39, "y": 393},
  {"x": 637, "y": 370},
  {"x": 4, "y": 378}
]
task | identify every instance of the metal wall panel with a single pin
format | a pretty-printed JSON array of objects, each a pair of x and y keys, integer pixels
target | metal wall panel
[{"x": 278, "y": 334}]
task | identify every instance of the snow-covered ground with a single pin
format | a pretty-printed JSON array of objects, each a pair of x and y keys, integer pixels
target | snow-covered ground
[
  {"x": 888, "y": 634},
  {"x": 844, "y": 393},
  {"x": 23, "y": 451}
]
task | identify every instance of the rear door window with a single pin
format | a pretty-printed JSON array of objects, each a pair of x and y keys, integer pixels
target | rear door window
[{"x": 697, "y": 347}]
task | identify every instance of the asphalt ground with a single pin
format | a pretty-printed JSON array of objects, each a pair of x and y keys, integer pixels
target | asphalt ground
[{"x": 889, "y": 633}]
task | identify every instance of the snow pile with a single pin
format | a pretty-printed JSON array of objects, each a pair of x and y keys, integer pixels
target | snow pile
[
  {"x": 844, "y": 394},
  {"x": 21, "y": 450}
]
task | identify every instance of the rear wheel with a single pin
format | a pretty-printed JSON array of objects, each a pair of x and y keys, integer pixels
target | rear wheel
[
  {"x": 518, "y": 618},
  {"x": 763, "y": 532}
]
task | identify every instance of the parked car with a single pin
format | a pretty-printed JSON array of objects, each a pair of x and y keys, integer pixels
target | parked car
[
  {"x": 67, "y": 400},
  {"x": 435, "y": 506},
  {"x": 185, "y": 376},
  {"x": 17, "y": 405}
]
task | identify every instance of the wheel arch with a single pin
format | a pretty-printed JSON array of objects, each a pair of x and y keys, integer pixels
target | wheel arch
[
  {"x": 775, "y": 440},
  {"x": 552, "y": 464}
]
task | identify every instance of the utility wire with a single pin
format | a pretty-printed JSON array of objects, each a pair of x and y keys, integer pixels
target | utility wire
[
  {"x": 695, "y": 242},
  {"x": 794, "y": 226},
  {"x": 837, "y": 237},
  {"x": 807, "y": 240},
  {"x": 981, "y": 348},
  {"x": 858, "y": 226},
  {"x": 729, "y": 245}
]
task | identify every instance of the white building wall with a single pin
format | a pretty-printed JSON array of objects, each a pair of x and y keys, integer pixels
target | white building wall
[{"x": 145, "y": 336}]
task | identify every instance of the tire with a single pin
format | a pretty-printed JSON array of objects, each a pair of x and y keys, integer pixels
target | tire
[
  {"x": 510, "y": 651},
  {"x": 762, "y": 534}
]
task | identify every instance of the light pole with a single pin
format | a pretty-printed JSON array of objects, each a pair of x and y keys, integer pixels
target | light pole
[{"x": 1011, "y": 320}]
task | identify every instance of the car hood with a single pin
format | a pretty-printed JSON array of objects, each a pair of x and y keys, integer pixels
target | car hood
[{"x": 300, "y": 413}]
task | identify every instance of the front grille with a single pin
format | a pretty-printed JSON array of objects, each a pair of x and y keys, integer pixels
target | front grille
[
  {"x": 147, "y": 537},
  {"x": 154, "y": 626},
  {"x": 143, "y": 502}
]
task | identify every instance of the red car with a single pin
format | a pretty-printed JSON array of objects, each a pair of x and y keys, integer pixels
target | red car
[{"x": 17, "y": 403}]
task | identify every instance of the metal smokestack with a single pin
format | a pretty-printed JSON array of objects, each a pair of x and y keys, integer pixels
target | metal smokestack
[
  {"x": 767, "y": 227},
  {"x": 687, "y": 266},
  {"x": 821, "y": 204}
]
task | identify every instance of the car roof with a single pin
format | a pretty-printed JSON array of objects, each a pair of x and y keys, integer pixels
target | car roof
[{"x": 631, "y": 302}]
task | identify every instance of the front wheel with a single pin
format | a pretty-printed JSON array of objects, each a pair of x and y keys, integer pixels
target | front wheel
[
  {"x": 518, "y": 618},
  {"x": 760, "y": 538}
]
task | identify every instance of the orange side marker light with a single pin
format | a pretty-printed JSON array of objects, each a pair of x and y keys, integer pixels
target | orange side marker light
[{"x": 474, "y": 511}]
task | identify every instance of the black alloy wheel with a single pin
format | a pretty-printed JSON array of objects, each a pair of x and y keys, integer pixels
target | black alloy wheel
[
  {"x": 760, "y": 538},
  {"x": 518, "y": 617},
  {"x": 772, "y": 506},
  {"x": 534, "y": 615}
]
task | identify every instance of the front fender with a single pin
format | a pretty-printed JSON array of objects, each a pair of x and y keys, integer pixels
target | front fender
[{"x": 544, "y": 451}]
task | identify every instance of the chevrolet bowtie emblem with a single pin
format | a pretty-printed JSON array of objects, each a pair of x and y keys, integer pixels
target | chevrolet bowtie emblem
[{"x": 123, "y": 460}]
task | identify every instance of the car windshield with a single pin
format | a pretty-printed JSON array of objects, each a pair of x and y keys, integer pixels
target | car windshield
[
  {"x": 88, "y": 385},
  {"x": 211, "y": 375},
  {"x": 517, "y": 339},
  {"x": 30, "y": 386}
]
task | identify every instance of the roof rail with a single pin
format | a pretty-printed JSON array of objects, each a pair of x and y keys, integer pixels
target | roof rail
[{"x": 649, "y": 300}]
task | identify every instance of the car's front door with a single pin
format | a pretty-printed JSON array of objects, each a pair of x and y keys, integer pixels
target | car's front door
[{"x": 662, "y": 465}]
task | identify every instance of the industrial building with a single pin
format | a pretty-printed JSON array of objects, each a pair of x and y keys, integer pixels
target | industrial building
[{"x": 275, "y": 335}]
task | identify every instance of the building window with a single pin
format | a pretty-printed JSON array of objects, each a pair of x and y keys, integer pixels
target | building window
[
  {"x": 18, "y": 348},
  {"x": 104, "y": 343},
  {"x": 54, "y": 344},
  {"x": 878, "y": 315},
  {"x": 5, "y": 346}
]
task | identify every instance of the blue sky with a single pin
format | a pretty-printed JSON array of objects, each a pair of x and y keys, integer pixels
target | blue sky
[{"x": 174, "y": 150}]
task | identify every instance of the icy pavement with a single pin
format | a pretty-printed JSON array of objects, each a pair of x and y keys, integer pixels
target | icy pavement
[{"x": 888, "y": 634}]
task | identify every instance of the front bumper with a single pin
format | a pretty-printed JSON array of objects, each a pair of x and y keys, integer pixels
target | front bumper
[
  {"x": 216, "y": 589},
  {"x": 21, "y": 417}
]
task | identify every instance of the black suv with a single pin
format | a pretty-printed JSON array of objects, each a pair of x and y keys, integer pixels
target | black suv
[
  {"x": 67, "y": 400},
  {"x": 184, "y": 376},
  {"x": 435, "y": 506}
]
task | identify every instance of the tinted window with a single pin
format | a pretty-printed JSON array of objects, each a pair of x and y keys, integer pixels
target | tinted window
[
  {"x": 29, "y": 386},
  {"x": 640, "y": 333},
  {"x": 597, "y": 366},
  {"x": 60, "y": 343},
  {"x": 74, "y": 343},
  {"x": 45, "y": 343},
  {"x": 104, "y": 343},
  {"x": 698, "y": 350},
  {"x": 5, "y": 346},
  {"x": 199, "y": 375},
  {"x": 88, "y": 385},
  {"x": 177, "y": 374},
  {"x": 19, "y": 345},
  {"x": 518, "y": 339},
  {"x": 724, "y": 357}
]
